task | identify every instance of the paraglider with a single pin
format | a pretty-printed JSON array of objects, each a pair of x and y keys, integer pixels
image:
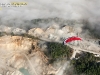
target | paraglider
[{"x": 73, "y": 38}]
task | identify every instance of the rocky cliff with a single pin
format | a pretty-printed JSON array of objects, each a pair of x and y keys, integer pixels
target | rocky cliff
[{"x": 18, "y": 52}]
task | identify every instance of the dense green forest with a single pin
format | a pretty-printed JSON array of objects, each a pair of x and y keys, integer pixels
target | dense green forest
[
  {"x": 58, "y": 50},
  {"x": 87, "y": 64}
]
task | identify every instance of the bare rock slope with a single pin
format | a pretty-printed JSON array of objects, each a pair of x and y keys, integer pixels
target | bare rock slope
[{"x": 18, "y": 52}]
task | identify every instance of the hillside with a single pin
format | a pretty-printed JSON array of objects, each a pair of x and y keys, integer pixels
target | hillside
[
  {"x": 25, "y": 52},
  {"x": 20, "y": 53}
]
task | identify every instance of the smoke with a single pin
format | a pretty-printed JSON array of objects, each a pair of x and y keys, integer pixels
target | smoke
[{"x": 28, "y": 16}]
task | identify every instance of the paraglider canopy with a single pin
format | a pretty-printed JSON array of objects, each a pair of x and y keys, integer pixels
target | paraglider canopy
[{"x": 70, "y": 39}]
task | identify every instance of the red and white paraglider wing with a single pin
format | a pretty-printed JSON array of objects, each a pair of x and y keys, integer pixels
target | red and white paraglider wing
[{"x": 70, "y": 39}]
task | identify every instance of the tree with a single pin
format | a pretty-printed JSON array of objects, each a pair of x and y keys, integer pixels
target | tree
[{"x": 87, "y": 64}]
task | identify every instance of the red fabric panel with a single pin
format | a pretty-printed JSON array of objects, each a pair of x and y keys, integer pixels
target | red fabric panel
[{"x": 72, "y": 39}]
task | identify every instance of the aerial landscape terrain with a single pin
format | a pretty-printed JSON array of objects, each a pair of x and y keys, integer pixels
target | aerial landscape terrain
[{"x": 49, "y": 37}]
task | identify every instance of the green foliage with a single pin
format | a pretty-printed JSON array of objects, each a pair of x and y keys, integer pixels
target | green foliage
[
  {"x": 12, "y": 34},
  {"x": 29, "y": 36},
  {"x": 87, "y": 64},
  {"x": 24, "y": 35},
  {"x": 3, "y": 33},
  {"x": 58, "y": 50}
]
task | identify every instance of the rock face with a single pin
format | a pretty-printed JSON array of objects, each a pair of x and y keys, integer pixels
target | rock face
[
  {"x": 53, "y": 32},
  {"x": 15, "y": 43},
  {"x": 19, "y": 52},
  {"x": 18, "y": 31},
  {"x": 37, "y": 32},
  {"x": 6, "y": 29}
]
